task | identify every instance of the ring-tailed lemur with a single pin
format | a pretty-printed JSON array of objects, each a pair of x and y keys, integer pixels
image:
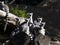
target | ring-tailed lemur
[{"x": 6, "y": 9}]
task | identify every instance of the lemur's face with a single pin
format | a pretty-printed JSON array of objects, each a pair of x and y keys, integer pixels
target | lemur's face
[
  {"x": 29, "y": 16},
  {"x": 2, "y": 2},
  {"x": 39, "y": 19}
]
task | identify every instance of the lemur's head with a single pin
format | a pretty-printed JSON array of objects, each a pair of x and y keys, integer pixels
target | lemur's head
[
  {"x": 2, "y": 2},
  {"x": 39, "y": 19},
  {"x": 30, "y": 15}
]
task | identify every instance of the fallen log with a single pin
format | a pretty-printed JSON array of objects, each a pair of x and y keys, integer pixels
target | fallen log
[{"x": 11, "y": 17}]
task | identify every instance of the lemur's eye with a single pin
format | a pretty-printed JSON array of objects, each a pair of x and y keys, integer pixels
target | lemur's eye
[{"x": 29, "y": 15}]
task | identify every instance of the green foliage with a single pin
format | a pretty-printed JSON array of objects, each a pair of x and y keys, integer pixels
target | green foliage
[{"x": 18, "y": 12}]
